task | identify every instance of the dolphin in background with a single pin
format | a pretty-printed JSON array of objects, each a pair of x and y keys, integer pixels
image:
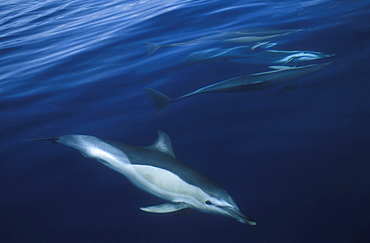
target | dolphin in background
[
  {"x": 155, "y": 170},
  {"x": 257, "y": 81},
  {"x": 240, "y": 36},
  {"x": 281, "y": 57},
  {"x": 249, "y": 55},
  {"x": 219, "y": 53}
]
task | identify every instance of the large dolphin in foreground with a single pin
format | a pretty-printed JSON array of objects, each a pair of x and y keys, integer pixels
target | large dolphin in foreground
[
  {"x": 257, "y": 81},
  {"x": 156, "y": 170}
]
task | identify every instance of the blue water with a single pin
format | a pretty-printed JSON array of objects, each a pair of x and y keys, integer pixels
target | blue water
[{"x": 298, "y": 163}]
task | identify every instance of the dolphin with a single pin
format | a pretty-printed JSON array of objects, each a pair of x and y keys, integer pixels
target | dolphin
[
  {"x": 240, "y": 36},
  {"x": 218, "y": 53},
  {"x": 249, "y": 55},
  {"x": 281, "y": 57},
  {"x": 257, "y": 81},
  {"x": 155, "y": 170}
]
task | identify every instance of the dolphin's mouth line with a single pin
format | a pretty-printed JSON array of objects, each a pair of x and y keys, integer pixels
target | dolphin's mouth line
[{"x": 239, "y": 216}]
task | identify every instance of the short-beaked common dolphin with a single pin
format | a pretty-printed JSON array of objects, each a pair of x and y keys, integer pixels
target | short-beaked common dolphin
[
  {"x": 155, "y": 170},
  {"x": 239, "y": 36},
  {"x": 281, "y": 57},
  {"x": 219, "y": 53},
  {"x": 249, "y": 55},
  {"x": 257, "y": 81}
]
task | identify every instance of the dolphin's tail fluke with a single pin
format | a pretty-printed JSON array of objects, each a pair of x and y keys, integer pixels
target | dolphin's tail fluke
[
  {"x": 152, "y": 47},
  {"x": 160, "y": 100}
]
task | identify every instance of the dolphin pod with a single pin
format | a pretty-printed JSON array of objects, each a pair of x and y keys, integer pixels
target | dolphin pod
[
  {"x": 257, "y": 81},
  {"x": 155, "y": 170}
]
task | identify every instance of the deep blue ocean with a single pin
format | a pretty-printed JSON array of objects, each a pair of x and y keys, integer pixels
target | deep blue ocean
[{"x": 297, "y": 162}]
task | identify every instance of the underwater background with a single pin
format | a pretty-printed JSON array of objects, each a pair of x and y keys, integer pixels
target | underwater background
[{"x": 296, "y": 162}]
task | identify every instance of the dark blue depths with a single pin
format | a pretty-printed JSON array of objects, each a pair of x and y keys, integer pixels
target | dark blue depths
[{"x": 298, "y": 163}]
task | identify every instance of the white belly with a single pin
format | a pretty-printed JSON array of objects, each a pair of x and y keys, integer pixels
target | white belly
[{"x": 164, "y": 184}]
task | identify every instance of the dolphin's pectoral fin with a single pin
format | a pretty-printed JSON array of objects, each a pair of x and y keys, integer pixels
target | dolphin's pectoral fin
[
  {"x": 165, "y": 207},
  {"x": 163, "y": 144}
]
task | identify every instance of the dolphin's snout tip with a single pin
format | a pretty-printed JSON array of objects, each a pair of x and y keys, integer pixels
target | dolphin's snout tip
[
  {"x": 253, "y": 223},
  {"x": 239, "y": 216},
  {"x": 248, "y": 220}
]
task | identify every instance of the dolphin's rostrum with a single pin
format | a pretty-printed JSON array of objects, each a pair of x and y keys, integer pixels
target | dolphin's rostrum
[{"x": 155, "y": 170}]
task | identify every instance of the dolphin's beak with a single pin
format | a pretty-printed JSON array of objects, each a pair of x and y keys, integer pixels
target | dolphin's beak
[{"x": 239, "y": 216}]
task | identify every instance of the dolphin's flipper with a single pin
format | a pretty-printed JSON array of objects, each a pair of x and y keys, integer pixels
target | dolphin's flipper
[
  {"x": 165, "y": 207},
  {"x": 160, "y": 100}
]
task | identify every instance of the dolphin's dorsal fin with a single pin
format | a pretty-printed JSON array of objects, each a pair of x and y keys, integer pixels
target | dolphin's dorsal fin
[
  {"x": 165, "y": 207},
  {"x": 163, "y": 144},
  {"x": 281, "y": 67}
]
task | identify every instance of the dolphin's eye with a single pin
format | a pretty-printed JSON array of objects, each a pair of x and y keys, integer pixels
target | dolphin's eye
[{"x": 208, "y": 202}]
